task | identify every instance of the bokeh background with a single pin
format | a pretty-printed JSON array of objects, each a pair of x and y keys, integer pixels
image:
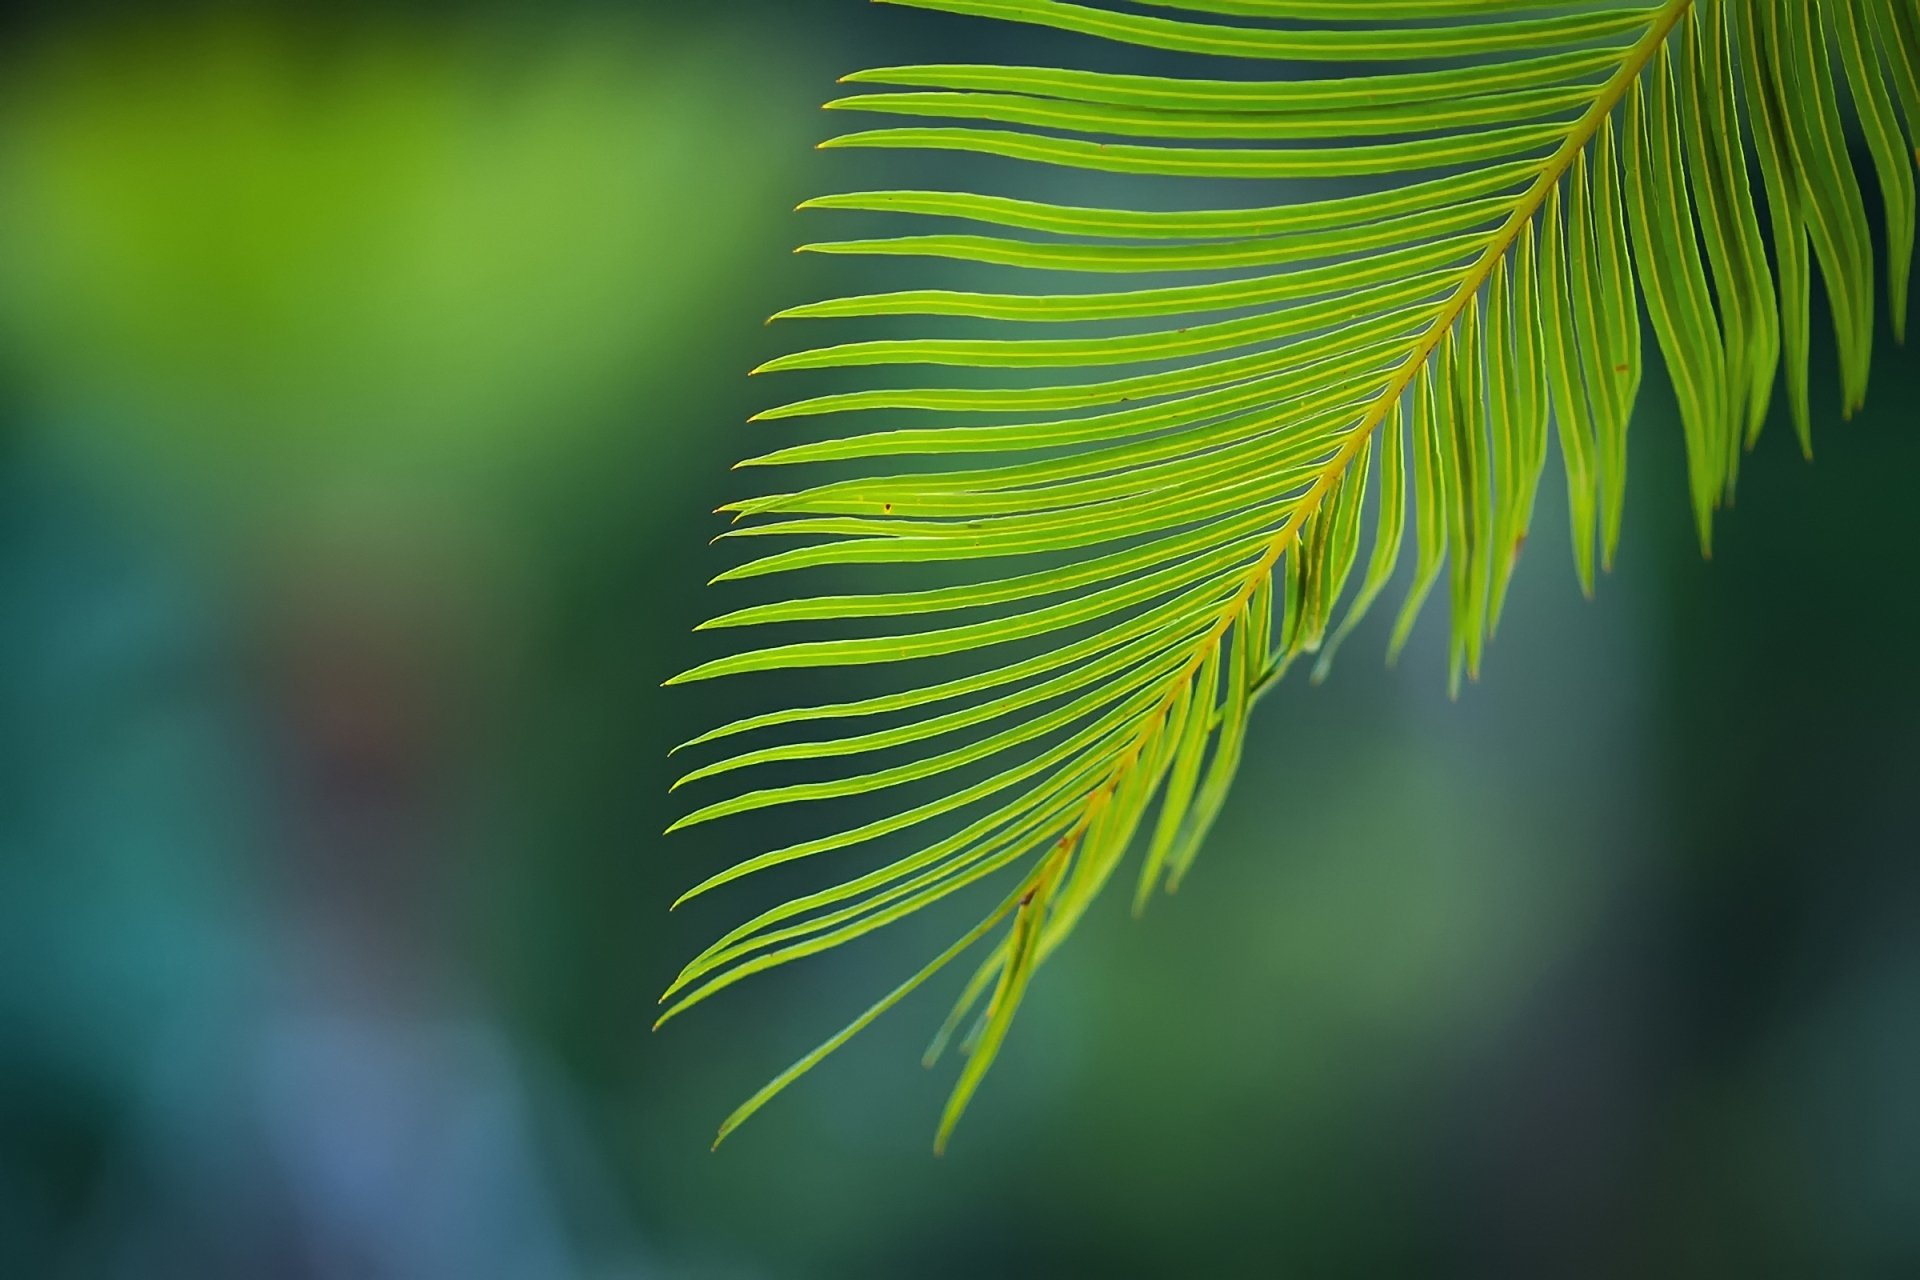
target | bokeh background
[{"x": 367, "y": 375}]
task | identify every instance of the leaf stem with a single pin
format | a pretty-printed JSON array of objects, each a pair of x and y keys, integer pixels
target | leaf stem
[{"x": 1529, "y": 202}]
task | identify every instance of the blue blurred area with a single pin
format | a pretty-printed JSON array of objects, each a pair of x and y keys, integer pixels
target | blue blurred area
[{"x": 367, "y": 378}]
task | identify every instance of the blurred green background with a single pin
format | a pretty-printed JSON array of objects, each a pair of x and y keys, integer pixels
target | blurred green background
[{"x": 367, "y": 377}]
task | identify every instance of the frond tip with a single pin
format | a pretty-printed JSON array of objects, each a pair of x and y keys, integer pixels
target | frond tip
[{"x": 1115, "y": 544}]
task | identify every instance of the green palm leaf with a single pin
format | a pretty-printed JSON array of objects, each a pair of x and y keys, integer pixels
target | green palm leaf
[{"x": 1141, "y": 504}]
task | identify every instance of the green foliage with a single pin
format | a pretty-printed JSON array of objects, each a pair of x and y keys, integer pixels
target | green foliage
[
  {"x": 1137, "y": 526},
  {"x": 279, "y": 273}
]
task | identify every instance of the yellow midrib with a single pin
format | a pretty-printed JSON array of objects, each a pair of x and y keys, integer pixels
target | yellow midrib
[{"x": 1638, "y": 56}]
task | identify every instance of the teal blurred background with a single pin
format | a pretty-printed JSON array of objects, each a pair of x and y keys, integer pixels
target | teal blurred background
[{"x": 367, "y": 376}]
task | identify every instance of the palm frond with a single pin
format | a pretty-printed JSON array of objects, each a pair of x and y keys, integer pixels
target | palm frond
[{"x": 1126, "y": 510}]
